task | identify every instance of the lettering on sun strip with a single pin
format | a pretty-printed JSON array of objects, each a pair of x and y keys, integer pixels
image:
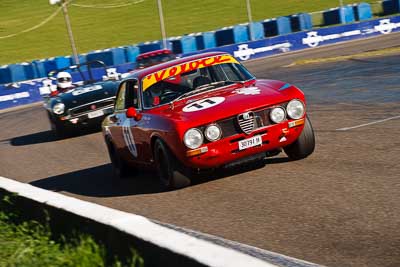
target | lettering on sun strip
[{"x": 153, "y": 78}]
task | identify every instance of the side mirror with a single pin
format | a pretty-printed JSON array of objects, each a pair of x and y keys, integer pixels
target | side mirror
[{"x": 132, "y": 113}]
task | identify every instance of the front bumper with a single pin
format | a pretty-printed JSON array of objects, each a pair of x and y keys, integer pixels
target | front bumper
[
  {"x": 86, "y": 119},
  {"x": 226, "y": 150}
]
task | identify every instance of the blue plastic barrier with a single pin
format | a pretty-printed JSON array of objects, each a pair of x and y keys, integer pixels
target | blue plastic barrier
[
  {"x": 50, "y": 65},
  {"x": 362, "y": 11},
  {"x": 240, "y": 33},
  {"x": 17, "y": 72},
  {"x": 176, "y": 45},
  {"x": 183, "y": 44},
  {"x": 309, "y": 39},
  {"x": 209, "y": 40},
  {"x": 11, "y": 96},
  {"x": 62, "y": 62},
  {"x": 110, "y": 57},
  {"x": 149, "y": 46},
  {"x": 131, "y": 52},
  {"x": 199, "y": 39},
  {"x": 81, "y": 58},
  {"x": 30, "y": 71},
  {"x": 5, "y": 74},
  {"x": 348, "y": 14},
  {"x": 101, "y": 56},
  {"x": 339, "y": 15},
  {"x": 118, "y": 55},
  {"x": 257, "y": 30},
  {"x": 391, "y": 7},
  {"x": 332, "y": 16},
  {"x": 301, "y": 22},
  {"x": 277, "y": 26},
  {"x": 283, "y": 24},
  {"x": 205, "y": 40},
  {"x": 38, "y": 65},
  {"x": 224, "y": 36},
  {"x": 124, "y": 68},
  {"x": 188, "y": 44}
]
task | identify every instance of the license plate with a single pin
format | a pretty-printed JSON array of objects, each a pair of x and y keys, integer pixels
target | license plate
[
  {"x": 250, "y": 142},
  {"x": 95, "y": 114}
]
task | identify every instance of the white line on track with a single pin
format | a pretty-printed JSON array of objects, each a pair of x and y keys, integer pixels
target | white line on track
[{"x": 367, "y": 124}]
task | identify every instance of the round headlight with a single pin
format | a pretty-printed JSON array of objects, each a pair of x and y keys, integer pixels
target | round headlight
[
  {"x": 59, "y": 108},
  {"x": 295, "y": 109},
  {"x": 213, "y": 132},
  {"x": 193, "y": 138},
  {"x": 277, "y": 115}
]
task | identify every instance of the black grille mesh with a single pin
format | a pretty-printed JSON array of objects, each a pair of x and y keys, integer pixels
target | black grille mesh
[{"x": 87, "y": 108}]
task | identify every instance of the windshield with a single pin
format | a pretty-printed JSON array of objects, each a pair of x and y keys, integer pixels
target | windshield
[{"x": 190, "y": 78}]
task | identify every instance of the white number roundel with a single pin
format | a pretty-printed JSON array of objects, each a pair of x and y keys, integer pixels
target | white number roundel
[
  {"x": 128, "y": 137},
  {"x": 203, "y": 104}
]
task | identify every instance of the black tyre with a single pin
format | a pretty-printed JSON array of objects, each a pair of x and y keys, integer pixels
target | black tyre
[
  {"x": 168, "y": 168},
  {"x": 120, "y": 168},
  {"x": 60, "y": 130},
  {"x": 165, "y": 164},
  {"x": 304, "y": 145}
]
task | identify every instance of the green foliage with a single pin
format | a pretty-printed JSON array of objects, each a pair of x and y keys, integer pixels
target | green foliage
[
  {"x": 30, "y": 244},
  {"x": 98, "y": 28}
]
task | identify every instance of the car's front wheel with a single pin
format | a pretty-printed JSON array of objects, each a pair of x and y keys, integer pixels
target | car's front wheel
[
  {"x": 304, "y": 145},
  {"x": 167, "y": 167},
  {"x": 60, "y": 130}
]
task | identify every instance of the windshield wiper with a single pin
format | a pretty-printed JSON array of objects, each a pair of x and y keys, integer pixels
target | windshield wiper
[
  {"x": 213, "y": 84},
  {"x": 194, "y": 91}
]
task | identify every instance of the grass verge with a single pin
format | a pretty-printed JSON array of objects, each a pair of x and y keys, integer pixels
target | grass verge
[
  {"x": 29, "y": 243},
  {"x": 101, "y": 24}
]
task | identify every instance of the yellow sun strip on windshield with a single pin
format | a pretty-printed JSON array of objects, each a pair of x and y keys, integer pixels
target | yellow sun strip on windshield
[{"x": 161, "y": 75}]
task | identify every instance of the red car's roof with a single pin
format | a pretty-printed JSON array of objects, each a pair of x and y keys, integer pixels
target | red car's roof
[
  {"x": 153, "y": 53},
  {"x": 149, "y": 70}
]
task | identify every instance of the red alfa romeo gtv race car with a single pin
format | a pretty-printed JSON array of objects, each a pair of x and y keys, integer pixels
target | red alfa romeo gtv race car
[{"x": 203, "y": 112}]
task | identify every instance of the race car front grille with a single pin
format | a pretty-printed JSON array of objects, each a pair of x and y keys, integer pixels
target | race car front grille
[
  {"x": 92, "y": 106},
  {"x": 247, "y": 122},
  {"x": 231, "y": 126}
]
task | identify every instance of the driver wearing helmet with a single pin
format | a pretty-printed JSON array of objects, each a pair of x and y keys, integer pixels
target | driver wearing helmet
[
  {"x": 64, "y": 81},
  {"x": 152, "y": 96}
]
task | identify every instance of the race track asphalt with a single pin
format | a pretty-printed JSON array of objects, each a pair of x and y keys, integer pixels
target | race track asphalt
[{"x": 339, "y": 207}]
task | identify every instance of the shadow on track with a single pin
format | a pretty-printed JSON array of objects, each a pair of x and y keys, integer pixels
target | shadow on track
[
  {"x": 45, "y": 137},
  {"x": 98, "y": 181},
  {"x": 31, "y": 139},
  {"x": 241, "y": 169}
]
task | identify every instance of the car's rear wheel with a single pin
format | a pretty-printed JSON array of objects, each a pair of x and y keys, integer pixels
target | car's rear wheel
[
  {"x": 304, "y": 145},
  {"x": 167, "y": 166},
  {"x": 120, "y": 168}
]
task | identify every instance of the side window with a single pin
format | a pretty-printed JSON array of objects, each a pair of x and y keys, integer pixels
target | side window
[
  {"x": 132, "y": 95},
  {"x": 120, "y": 101}
]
